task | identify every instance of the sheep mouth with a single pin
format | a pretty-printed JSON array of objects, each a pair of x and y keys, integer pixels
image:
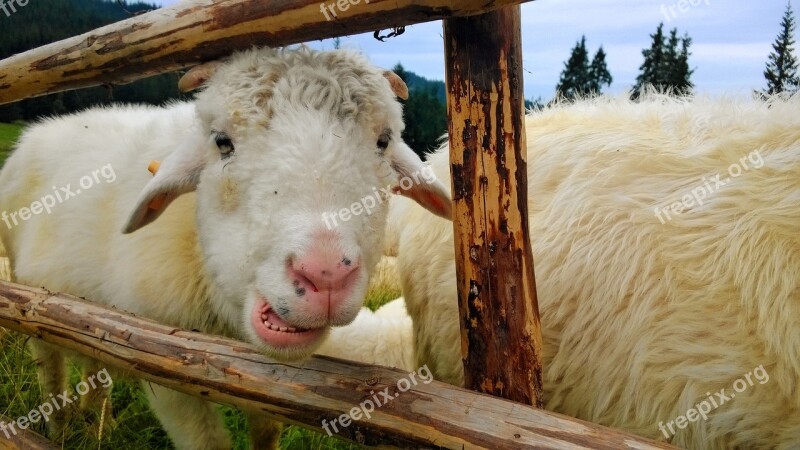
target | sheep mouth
[{"x": 271, "y": 328}]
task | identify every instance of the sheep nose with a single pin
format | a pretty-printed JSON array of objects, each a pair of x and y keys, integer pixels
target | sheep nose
[
  {"x": 325, "y": 277},
  {"x": 321, "y": 273}
]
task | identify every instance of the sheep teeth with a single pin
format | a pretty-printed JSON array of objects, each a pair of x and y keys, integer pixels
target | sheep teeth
[{"x": 277, "y": 328}]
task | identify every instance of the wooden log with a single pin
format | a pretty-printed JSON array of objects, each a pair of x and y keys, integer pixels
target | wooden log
[
  {"x": 500, "y": 331},
  {"x": 191, "y": 32},
  {"x": 226, "y": 371},
  {"x": 19, "y": 439}
]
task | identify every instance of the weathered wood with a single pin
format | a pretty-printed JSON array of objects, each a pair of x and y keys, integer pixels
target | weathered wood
[
  {"x": 20, "y": 439},
  {"x": 501, "y": 335},
  {"x": 226, "y": 371},
  {"x": 190, "y": 32}
]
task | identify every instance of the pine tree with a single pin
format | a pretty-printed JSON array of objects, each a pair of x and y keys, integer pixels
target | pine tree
[
  {"x": 781, "y": 73},
  {"x": 579, "y": 78},
  {"x": 681, "y": 79},
  {"x": 652, "y": 67},
  {"x": 575, "y": 78},
  {"x": 598, "y": 72},
  {"x": 666, "y": 64}
]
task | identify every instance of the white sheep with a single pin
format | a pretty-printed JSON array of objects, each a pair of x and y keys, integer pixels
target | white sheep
[
  {"x": 275, "y": 141},
  {"x": 658, "y": 286},
  {"x": 383, "y": 337}
]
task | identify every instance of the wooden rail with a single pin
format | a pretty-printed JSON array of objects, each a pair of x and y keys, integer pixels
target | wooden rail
[
  {"x": 226, "y": 371},
  {"x": 191, "y": 32},
  {"x": 21, "y": 439}
]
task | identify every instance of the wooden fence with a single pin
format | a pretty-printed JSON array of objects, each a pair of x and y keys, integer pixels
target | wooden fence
[{"x": 493, "y": 258}]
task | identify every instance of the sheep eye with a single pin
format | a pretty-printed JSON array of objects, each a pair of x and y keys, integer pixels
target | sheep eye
[
  {"x": 224, "y": 144},
  {"x": 383, "y": 140}
]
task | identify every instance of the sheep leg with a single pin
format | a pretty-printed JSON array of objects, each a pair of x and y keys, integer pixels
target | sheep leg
[
  {"x": 51, "y": 370},
  {"x": 98, "y": 398},
  {"x": 265, "y": 433},
  {"x": 191, "y": 423}
]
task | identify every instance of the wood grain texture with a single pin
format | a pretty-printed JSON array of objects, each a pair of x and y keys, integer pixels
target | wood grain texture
[
  {"x": 192, "y": 32},
  {"x": 501, "y": 335},
  {"x": 222, "y": 370},
  {"x": 22, "y": 439}
]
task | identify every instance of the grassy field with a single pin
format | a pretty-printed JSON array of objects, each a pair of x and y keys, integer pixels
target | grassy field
[
  {"x": 8, "y": 135},
  {"x": 131, "y": 425}
]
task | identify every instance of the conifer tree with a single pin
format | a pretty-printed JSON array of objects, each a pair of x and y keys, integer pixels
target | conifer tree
[
  {"x": 781, "y": 72},
  {"x": 580, "y": 78},
  {"x": 574, "y": 79},
  {"x": 666, "y": 64},
  {"x": 598, "y": 72}
]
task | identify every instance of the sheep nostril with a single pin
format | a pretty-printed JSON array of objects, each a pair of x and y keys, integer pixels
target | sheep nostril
[{"x": 301, "y": 281}]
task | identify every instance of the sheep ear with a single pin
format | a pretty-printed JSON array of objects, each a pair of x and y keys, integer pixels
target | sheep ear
[
  {"x": 178, "y": 174},
  {"x": 197, "y": 76},
  {"x": 398, "y": 85},
  {"x": 425, "y": 188}
]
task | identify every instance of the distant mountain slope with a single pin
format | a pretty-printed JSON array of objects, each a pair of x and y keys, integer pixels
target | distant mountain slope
[
  {"x": 41, "y": 22},
  {"x": 425, "y": 112},
  {"x": 435, "y": 87}
]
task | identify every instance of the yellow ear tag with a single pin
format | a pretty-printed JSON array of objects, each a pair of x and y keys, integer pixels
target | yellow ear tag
[{"x": 153, "y": 166}]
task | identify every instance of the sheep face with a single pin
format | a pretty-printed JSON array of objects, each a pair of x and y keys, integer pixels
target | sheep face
[{"x": 293, "y": 158}]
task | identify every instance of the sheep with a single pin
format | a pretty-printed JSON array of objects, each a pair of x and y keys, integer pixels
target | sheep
[
  {"x": 659, "y": 288},
  {"x": 383, "y": 337},
  {"x": 275, "y": 142}
]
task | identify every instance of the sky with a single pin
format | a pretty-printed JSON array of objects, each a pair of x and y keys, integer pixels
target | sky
[{"x": 731, "y": 40}]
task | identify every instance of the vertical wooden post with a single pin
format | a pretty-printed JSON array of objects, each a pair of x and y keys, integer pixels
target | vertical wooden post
[{"x": 500, "y": 331}]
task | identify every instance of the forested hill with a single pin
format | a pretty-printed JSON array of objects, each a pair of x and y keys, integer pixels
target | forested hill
[
  {"x": 434, "y": 88},
  {"x": 43, "y": 21}
]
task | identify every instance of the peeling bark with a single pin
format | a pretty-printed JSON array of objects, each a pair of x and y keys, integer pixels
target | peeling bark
[{"x": 501, "y": 335}]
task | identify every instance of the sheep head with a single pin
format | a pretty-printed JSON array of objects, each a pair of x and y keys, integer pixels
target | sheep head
[{"x": 292, "y": 158}]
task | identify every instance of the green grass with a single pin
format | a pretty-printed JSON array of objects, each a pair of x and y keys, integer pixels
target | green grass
[
  {"x": 133, "y": 425},
  {"x": 8, "y": 136}
]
